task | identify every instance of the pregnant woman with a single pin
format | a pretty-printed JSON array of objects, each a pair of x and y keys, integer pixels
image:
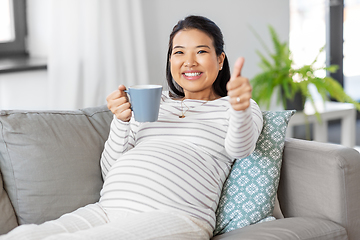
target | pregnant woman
[{"x": 163, "y": 179}]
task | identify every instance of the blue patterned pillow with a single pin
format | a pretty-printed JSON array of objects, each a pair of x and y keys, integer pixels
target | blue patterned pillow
[{"x": 249, "y": 193}]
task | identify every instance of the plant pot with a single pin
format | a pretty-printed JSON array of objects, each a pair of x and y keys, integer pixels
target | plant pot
[{"x": 297, "y": 103}]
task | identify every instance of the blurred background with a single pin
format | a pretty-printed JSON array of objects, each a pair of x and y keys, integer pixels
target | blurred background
[
  {"x": 69, "y": 54},
  {"x": 92, "y": 46}
]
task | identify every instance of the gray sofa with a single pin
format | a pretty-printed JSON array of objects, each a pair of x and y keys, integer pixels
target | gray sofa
[{"x": 49, "y": 164}]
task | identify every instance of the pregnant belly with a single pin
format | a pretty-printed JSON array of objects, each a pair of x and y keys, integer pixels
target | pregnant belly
[{"x": 162, "y": 176}]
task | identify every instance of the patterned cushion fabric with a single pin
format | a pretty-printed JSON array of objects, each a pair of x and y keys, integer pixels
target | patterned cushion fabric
[{"x": 249, "y": 193}]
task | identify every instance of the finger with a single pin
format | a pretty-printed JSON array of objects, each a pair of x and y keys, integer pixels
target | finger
[
  {"x": 116, "y": 102},
  {"x": 123, "y": 107},
  {"x": 123, "y": 111},
  {"x": 114, "y": 95},
  {"x": 122, "y": 89},
  {"x": 240, "y": 89},
  {"x": 237, "y": 83},
  {"x": 124, "y": 116},
  {"x": 117, "y": 94},
  {"x": 243, "y": 104},
  {"x": 240, "y": 99},
  {"x": 237, "y": 68}
]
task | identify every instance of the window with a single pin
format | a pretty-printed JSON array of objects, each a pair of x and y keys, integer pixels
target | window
[
  {"x": 352, "y": 48},
  {"x": 12, "y": 27},
  {"x": 308, "y": 34},
  {"x": 307, "y": 31},
  {"x": 7, "y": 33},
  {"x": 314, "y": 23}
]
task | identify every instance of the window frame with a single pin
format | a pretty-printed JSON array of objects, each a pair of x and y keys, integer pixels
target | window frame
[
  {"x": 335, "y": 38},
  {"x": 18, "y": 46}
]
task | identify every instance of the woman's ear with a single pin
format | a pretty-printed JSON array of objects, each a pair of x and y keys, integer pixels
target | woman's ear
[{"x": 221, "y": 60}]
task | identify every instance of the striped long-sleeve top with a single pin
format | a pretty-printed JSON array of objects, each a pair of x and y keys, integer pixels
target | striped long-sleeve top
[{"x": 177, "y": 164}]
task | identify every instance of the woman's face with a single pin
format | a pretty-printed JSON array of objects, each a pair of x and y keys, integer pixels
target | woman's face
[{"x": 194, "y": 64}]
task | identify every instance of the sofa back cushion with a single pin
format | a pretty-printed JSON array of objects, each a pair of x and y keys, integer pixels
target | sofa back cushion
[
  {"x": 7, "y": 216},
  {"x": 50, "y": 160}
]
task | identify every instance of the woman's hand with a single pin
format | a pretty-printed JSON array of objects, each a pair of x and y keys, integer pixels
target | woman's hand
[
  {"x": 239, "y": 88},
  {"x": 119, "y": 104}
]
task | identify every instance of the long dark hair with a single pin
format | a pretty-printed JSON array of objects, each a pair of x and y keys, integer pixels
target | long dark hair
[{"x": 213, "y": 31}]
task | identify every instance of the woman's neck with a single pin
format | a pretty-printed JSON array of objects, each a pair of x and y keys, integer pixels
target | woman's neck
[{"x": 201, "y": 96}]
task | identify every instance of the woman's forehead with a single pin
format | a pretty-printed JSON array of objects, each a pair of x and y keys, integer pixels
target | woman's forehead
[{"x": 192, "y": 38}]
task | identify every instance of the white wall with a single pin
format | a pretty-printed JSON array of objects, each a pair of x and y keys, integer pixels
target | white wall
[
  {"x": 23, "y": 90},
  {"x": 28, "y": 90},
  {"x": 233, "y": 17}
]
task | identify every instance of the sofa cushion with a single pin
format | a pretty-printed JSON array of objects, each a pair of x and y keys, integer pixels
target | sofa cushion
[
  {"x": 7, "y": 216},
  {"x": 249, "y": 193},
  {"x": 50, "y": 160},
  {"x": 289, "y": 229}
]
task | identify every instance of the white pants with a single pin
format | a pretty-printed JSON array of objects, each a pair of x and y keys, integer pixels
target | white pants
[{"x": 92, "y": 222}]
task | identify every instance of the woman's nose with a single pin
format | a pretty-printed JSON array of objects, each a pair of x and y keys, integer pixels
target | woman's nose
[{"x": 190, "y": 61}]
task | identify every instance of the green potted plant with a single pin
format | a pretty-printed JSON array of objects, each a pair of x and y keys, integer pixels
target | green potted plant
[{"x": 279, "y": 73}]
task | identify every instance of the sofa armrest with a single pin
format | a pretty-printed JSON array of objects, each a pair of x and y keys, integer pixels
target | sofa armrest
[{"x": 321, "y": 180}]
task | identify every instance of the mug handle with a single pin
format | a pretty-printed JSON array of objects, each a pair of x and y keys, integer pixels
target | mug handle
[{"x": 128, "y": 93}]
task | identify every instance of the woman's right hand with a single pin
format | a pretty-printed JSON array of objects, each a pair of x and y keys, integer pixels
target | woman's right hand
[{"x": 119, "y": 104}]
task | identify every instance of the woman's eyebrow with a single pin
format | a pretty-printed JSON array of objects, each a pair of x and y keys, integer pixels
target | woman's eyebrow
[{"x": 199, "y": 46}]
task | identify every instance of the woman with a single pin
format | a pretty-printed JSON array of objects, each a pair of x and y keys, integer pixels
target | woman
[{"x": 163, "y": 180}]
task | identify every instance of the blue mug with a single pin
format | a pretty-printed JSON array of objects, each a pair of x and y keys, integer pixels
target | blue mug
[{"x": 145, "y": 102}]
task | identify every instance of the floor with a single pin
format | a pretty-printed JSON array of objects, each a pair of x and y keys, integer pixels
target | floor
[{"x": 333, "y": 133}]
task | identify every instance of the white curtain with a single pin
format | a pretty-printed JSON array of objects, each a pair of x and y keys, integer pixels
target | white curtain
[{"x": 95, "y": 45}]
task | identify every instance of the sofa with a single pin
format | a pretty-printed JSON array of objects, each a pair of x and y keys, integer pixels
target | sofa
[{"x": 49, "y": 162}]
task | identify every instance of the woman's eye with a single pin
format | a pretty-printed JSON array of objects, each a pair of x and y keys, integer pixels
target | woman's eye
[
  {"x": 178, "y": 52},
  {"x": 202, "y": 51}
]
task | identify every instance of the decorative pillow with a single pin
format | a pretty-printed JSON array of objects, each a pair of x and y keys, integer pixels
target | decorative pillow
[
  {"x": 249, "y": 193},
  {"x": 50, "y": 160}
]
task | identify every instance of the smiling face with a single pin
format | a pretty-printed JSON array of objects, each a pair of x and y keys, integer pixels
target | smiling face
[{"x": 194, "y": 64}]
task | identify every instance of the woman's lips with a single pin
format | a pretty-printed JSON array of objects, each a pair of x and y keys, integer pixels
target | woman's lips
[{"x": 193, "y": 75}]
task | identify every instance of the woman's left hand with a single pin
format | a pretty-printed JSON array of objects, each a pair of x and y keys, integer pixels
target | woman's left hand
[{"x": 239, "y": 88}]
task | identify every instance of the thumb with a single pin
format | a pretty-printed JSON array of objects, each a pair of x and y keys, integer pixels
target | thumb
[
  {"x": 238, "y": 67},
  {"x": 122, "y": 88}
]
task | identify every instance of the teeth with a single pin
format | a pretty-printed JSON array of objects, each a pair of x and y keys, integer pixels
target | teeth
[{"x": 192, "y": 74}]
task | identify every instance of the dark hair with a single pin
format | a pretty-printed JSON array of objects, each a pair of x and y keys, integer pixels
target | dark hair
[{"x": 213, "y": 31}]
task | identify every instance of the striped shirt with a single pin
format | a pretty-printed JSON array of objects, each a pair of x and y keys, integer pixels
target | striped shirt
[{"x": 177, "y": 164}]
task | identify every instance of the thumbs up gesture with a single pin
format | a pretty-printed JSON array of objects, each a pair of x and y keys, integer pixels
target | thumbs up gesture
[{"x": 239, "y": 88}]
